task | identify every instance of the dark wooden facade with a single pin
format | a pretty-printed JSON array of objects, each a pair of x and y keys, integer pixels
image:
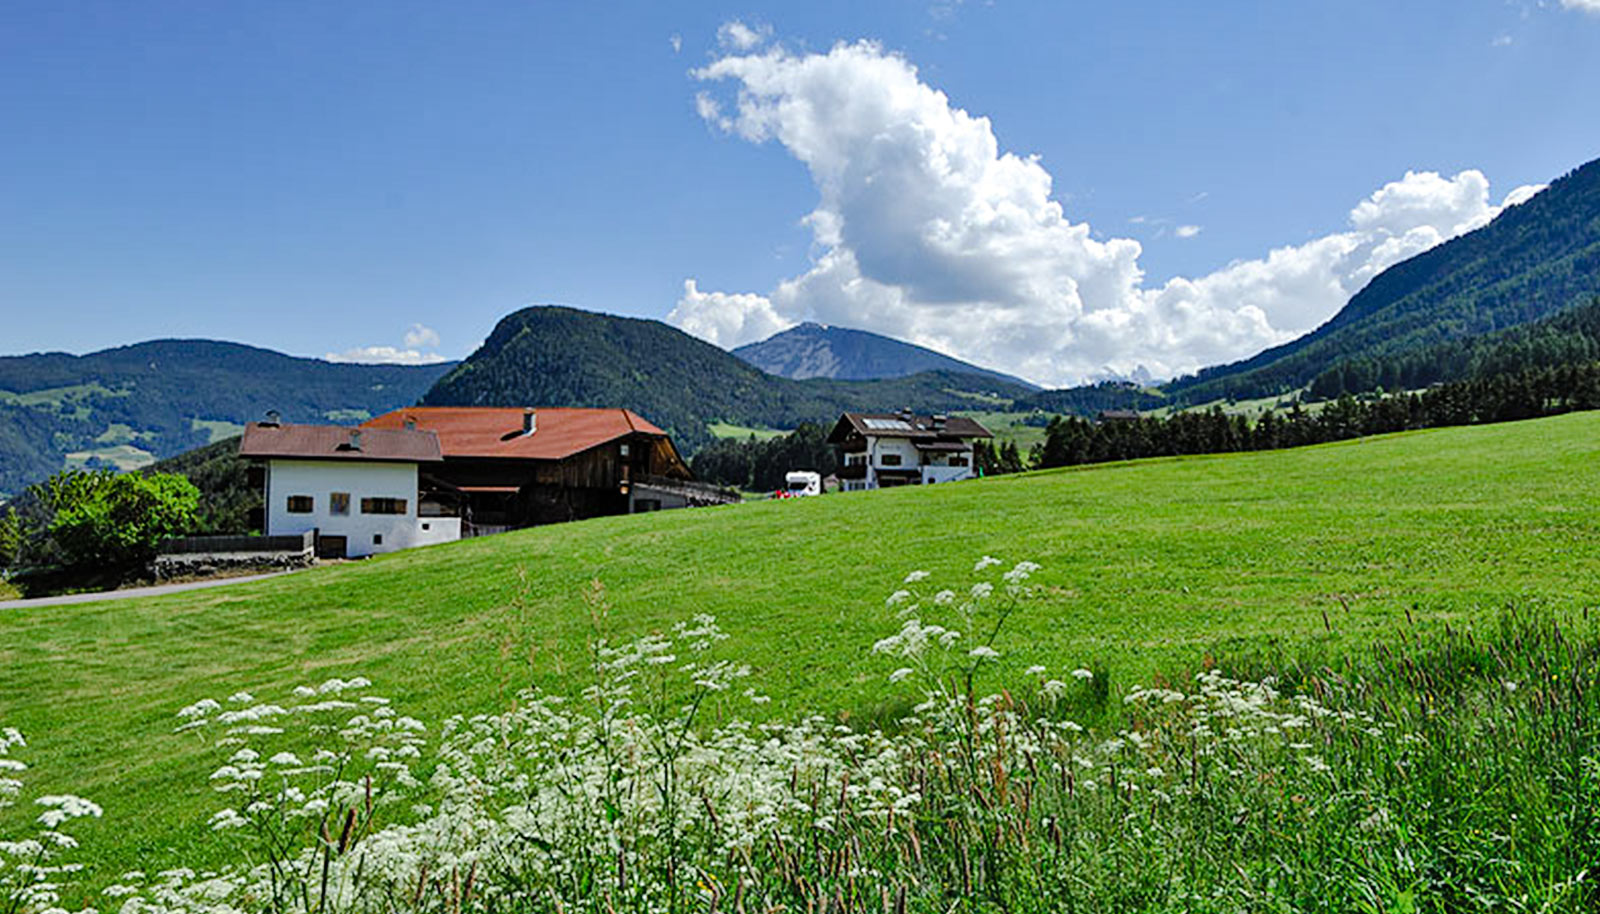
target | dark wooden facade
[{"x": 495, "y": 493}]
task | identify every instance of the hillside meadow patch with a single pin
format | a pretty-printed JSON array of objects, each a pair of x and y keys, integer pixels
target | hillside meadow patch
[{"x": 1147, "y": 569}]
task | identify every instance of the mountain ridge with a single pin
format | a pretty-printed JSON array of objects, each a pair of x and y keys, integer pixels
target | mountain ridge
[
  {"x": 1533, "y": 260},
  {"x": 813, "y": 350},
  {"x": 555, "y": 355},
  {"x": 128, "y": 405}
]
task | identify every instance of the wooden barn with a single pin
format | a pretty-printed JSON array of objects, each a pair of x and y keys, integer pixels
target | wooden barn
[{"x": 504, "y": 468}]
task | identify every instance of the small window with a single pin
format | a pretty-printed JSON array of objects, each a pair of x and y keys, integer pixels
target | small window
[
  {"x": 383, "y": 506},
  {"x": 339, "y": 503},
  {"x": 427, "y": 526},
  {"x": 377, "y": 539},
  {"x": 889, "y": 460},
  {"x": 300, "y": 504},
  {"x": 958, "y": 461},
  {"x": 624, "y": 449}
]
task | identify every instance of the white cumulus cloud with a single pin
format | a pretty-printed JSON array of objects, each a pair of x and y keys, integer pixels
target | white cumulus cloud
[
  {"x": 1188, "y": 231},
  {"x": 726, "y": 319},
  {"x": 1587, "y": 6},
  {"x": 417, "y": 338},
  {"x": 737, "y": 36},
  {"x": 926, "y": 230}
]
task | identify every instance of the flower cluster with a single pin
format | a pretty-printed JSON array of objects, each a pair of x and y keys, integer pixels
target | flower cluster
[
  {"x": 32, "y": 869},
  {"x": 648, "y": 791}
]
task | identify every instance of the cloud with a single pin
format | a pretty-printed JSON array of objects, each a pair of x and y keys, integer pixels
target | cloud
[
  {"x": 676, "y": 41},
  {"x": 926, "y": 230},
  {"x": 1188, "y": 231},
  {"x": 1504, "y": 41},
  {"x": 385, "y": 355},
  {"x": 1587, "y": 6},
  {"x": 727, "y": 320},
  {"x": 737, "y": 36},
  {"x": 417, "y": 337}
]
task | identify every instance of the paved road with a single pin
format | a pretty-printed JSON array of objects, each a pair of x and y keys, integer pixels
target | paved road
[{"x": 135, "y": 591}]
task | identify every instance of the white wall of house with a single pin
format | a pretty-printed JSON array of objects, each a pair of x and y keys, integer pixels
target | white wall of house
[
  {"x": 938, "y": 469},
  {"x": 365, "y": 533},
  {"x": 902, "y": 448},
  {"x": 935, "y": 465}
]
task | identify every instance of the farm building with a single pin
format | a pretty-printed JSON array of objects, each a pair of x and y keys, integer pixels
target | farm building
[
  {"x": 504, "y": 468},
  {"x": 433, "y": 474},
  {"x": 356, "y": 489},
  {"x": 879, "y": 450}
]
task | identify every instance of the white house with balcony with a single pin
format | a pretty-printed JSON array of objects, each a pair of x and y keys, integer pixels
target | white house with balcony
[
  {"x": 356, "y": 489},
  {"x": 879, "y": 450}
]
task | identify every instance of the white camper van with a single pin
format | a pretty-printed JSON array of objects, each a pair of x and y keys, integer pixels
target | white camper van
[{"x": 800, "y": 483}]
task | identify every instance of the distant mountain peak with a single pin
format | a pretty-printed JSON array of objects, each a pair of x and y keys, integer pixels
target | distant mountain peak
[{"x": 815, "y": 350}]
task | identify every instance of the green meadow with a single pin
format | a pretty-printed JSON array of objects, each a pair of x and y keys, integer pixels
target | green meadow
[{"x": 1147, "y": 568}]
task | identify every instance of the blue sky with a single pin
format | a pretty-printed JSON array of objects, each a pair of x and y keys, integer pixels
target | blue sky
[{"x": 317, "y": 178}]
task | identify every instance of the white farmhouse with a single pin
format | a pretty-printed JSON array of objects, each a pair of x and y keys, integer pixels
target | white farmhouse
[
  {"x": 878, "y": 450},
  {"x": 356, "y": 489}
]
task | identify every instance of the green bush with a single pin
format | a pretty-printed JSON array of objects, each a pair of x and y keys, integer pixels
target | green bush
[{"x": 100, "y": 519}]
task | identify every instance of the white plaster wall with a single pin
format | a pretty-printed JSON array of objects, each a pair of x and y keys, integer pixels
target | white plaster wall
[
  {"x": 432, "y": 530},
  {"x": 935, "y": 474},
  {"x": 901, "y": 446},
  {"x": 320, "y": 478}
]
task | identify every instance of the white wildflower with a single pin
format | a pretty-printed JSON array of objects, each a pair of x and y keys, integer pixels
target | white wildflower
[
  {"x": 985, "y": 562},
  {"x": 901, "y": 674},
  {"x": 1020, "y": 573},
  {"x": 1035, "y": 670},
  {"x": 916, "y": 576},
  {"x": 981, "y": 590},
  {"x": 898, "y": 597},
  {"x": 983, "y": 652},
  {"x": 1082, "y": 674},
  {"x": 200, "y": 708},
  {"x": 66, "y": 806}
]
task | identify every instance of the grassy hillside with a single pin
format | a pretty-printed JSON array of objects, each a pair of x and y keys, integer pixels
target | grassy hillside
[{"x": 1147, "y": 566}]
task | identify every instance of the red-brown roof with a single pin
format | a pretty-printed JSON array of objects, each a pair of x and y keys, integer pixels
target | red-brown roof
[
  {"x": 491, "y": 431},
  {"x": 335, "y": 442}
]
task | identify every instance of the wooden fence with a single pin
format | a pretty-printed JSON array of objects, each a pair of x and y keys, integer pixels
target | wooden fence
[{"x": 222, "y": 545}]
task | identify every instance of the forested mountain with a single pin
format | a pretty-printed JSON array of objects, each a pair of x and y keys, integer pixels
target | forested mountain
[
  {"x": 1091, "y": 399},
  {"x": 1531, "y": 261},
  {"x": 556, "y": 356},
  {"x": 816, "y": 351},
  {"x": 1569, "y": 337},
  {"x": 130, "y": 405}
]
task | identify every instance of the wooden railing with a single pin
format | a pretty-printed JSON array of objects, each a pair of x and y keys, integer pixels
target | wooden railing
[
  {"x": 697, "y": 493},
  {"x": 217, "y": 545}
]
